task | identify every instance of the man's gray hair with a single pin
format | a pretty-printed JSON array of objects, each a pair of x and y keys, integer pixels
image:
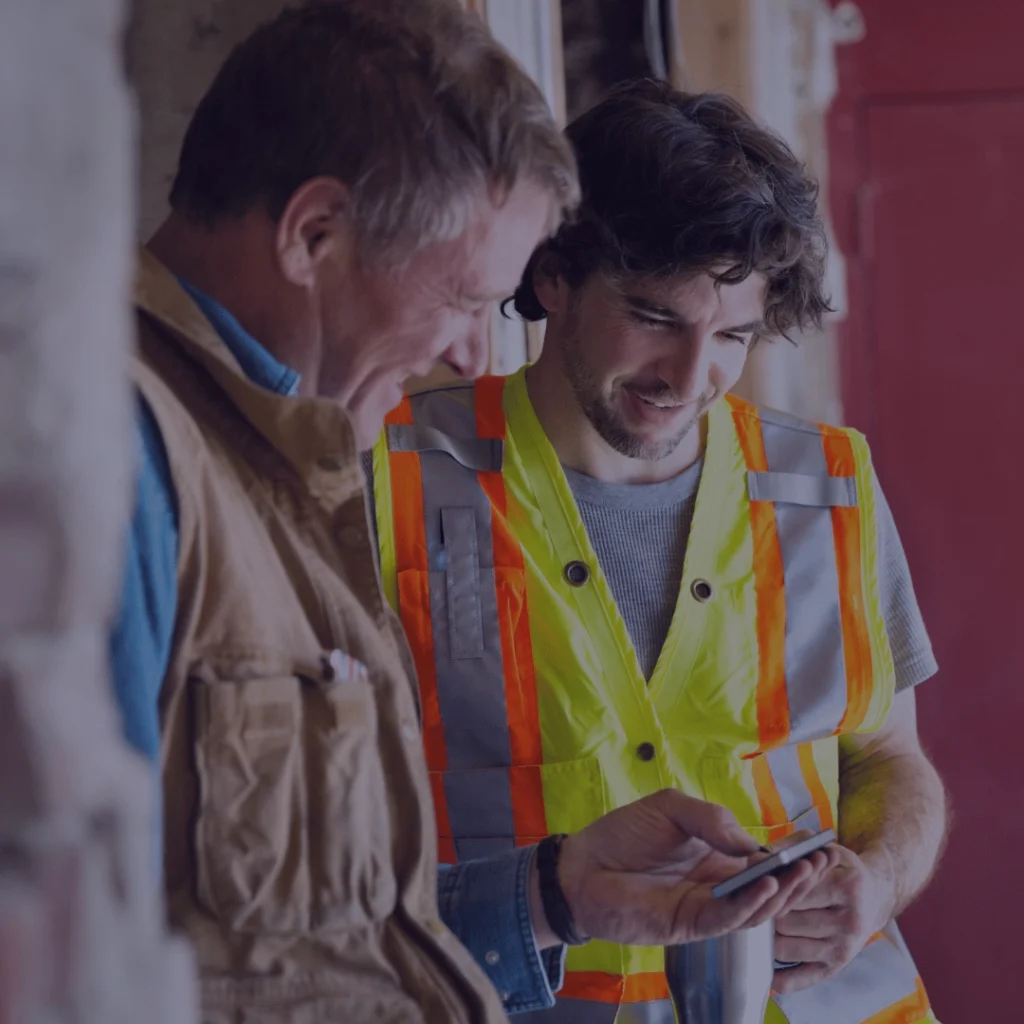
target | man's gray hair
[{"x": 411, "y": 103}]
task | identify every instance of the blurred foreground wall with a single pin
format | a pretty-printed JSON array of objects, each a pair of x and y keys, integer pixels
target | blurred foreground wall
[{"x": 81, "y": 934}]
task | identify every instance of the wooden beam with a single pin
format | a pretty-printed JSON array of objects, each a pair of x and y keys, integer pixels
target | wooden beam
[{"x": 711, "y": 47}]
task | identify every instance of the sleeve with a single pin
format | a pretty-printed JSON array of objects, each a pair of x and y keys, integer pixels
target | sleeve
[
  {"x": 486, "y": 904},
  {"x": 140, "y": 641},
  {"x": 912, "y": 653}
]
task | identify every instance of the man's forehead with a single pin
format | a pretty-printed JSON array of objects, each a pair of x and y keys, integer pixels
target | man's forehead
[{"x": 696, "y": 294}]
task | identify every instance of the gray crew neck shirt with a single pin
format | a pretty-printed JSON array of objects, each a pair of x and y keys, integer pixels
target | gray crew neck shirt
[{"x": 640, "y": 532}]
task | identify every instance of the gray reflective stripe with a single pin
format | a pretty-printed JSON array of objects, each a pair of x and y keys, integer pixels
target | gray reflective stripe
[
  {"x": 571, "y": 1011},
  {"x": 465, "y": 628},
  {"x": 470, "y": 690},
  {"x": 481, "y": 849},
  {"x": 815, "y": 665},
  {"x": 590, "y": 1011},
  {"x": 802, "y": 489},
  {"x": 881, "y": 975},
  {"x": 479, "y": 802},
  {"x": 472, "y": 452},
  {"x": 784, "y": 763}
]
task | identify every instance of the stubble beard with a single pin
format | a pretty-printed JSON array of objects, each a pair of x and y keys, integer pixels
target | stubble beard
[{"x": 602, "y": 414}]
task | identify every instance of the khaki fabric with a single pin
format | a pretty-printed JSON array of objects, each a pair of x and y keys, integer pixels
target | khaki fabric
[{"x": 300, "y": 855}]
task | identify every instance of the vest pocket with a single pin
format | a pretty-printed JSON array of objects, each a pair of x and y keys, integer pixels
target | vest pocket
[
  {"x": 284, "y": 764},
  {"x": 491, "y": 810}
]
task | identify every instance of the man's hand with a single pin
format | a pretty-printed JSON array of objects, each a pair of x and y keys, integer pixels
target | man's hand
[
  {"x": 830, "y": 924},
  {"x": 642, "y": 875}
]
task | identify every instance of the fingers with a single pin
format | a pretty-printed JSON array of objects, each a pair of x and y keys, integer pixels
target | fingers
[
  {"x": 809, "y": 924},
  {"x": 793, "y": 979},
  {"x": 706, "y": 917},
  {"x": 803, "y": 950},
  {"x": 702, "y": 820},
  {"x": 792, "y": 882}
]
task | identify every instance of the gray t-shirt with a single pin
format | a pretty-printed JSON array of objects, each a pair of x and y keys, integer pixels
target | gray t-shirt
[{"x": 639, "y": 533}]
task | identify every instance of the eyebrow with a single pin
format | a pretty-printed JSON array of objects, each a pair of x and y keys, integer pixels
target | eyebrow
[{"x": 643, "y": 305}]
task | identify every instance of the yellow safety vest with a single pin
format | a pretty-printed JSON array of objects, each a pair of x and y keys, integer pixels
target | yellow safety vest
[{"x": 537, "y": 718}]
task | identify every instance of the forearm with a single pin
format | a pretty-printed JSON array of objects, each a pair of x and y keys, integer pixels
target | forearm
[
  {"x": 892, "y": 813},
  {"x": 487, "y": 904}
]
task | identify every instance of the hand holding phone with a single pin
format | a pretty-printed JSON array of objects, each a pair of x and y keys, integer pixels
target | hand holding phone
[{"x": 774, "y": 863}]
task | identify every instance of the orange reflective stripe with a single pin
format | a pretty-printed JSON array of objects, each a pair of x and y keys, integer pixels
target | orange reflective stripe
[
  {"x": 614, "y": 988},
  {"x": 401, "y": 415},
  {"x": 816, "y": 788},
  {"x": 911, "y": 1010},
  {"x": 773, "y": 811},
  {"x": 414, "y": 610},
  {"x": 445, "y": 841},
  {"x": 645, "y": 987},
  {"x": 846, "y": 534},
  {"x": 514, "y": 624},
  {"x": 769, "y": 586},
  {"x": 527, "y": 803}
]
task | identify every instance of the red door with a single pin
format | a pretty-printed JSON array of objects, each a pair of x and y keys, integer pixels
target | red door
[{"x": 927, "y": 149}]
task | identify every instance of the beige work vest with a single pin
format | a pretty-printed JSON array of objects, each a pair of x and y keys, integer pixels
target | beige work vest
[{"x": 299, "y": 834}]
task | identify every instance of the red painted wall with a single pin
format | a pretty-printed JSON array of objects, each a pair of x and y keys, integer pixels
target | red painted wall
[{"x": 927, "y": 191}]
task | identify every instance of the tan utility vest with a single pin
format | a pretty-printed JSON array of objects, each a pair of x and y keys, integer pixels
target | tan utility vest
[
  {"x": 537, "y": 717},
  {"x": 299, "y": 835}
]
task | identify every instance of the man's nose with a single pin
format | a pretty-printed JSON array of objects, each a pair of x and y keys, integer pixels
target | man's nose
[
  {"x": 689, "y": 371},
  {"x": 470, "y": 355}
]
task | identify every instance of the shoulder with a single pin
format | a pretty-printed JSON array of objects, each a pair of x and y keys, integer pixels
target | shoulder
[{"x": 448, "y": 406}]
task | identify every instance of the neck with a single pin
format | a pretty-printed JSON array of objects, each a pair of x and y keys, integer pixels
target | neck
[
  {"x": 233, "y": 264},
  {"x": 580, "y": 447}
]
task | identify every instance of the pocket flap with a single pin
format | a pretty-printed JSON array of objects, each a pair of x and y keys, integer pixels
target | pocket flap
[{"x": 803, "y": 489}]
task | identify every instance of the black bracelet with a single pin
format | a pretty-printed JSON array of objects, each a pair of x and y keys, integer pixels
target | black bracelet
[{"x": 551, "y": 896}]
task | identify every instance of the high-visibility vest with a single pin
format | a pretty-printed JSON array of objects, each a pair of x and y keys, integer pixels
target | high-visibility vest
[{"x": 537, "y": 718}]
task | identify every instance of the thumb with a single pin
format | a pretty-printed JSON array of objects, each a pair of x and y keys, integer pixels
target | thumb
[{"x": 712, "y": 823}]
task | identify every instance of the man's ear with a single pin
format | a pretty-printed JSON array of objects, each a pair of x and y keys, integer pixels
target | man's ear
[
  {"x": 549, "y": 285},
  {"x": 314, "y": 227}
]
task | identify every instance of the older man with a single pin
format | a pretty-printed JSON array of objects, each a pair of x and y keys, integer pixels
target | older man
[{"x": 358, "y": 186}]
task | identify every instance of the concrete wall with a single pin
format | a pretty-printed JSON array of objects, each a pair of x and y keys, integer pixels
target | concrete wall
[
  {"x": 81, "y": 933},
  {"x": 174, "y": 51}
]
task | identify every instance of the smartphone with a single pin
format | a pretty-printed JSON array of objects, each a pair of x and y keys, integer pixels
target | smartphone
[{"x": 776, "y": 862}]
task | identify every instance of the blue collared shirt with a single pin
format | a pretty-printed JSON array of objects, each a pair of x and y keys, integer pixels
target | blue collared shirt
[{"x": 484, "y": 902}]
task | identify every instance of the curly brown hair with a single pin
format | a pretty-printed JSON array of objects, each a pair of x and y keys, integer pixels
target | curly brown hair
[{"x": 677, "y": 184}]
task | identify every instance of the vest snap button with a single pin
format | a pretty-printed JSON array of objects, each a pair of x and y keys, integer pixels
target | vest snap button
[
  {"x": 645, "y": 751},
  {"x": 492, "y": 956},
  {"x": 577, "y": 573},
  {"x": 701, "y": 590}
]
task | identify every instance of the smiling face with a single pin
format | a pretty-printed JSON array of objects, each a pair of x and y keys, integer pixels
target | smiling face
[
  {"x": 380, "y": 327},
  {"x": 646, "y": 358}
]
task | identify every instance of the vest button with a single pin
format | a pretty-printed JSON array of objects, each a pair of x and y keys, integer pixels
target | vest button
[
  {"x": 701, "y": 590},
  {"x": 577, "y": 573},
  {"x": 645, "y": 751}
]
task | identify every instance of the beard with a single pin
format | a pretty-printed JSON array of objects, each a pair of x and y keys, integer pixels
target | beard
[{"x": 603, "y": 414}]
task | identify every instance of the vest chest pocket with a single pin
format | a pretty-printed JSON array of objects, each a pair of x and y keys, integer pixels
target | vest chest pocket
[
  {"x": 286, "y": 765},
  {"x": 774, "y": 794}
]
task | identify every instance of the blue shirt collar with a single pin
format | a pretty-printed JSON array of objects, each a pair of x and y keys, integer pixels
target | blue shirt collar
[{"x": 259, "y": 365}]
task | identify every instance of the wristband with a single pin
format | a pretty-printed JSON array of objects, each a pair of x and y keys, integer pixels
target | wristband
[{"x": 556, "y": 909}]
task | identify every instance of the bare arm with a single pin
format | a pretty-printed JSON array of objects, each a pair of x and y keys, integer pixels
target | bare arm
[
  {"x": 892, "y": 805},
  {"x": 892, "y": 821}
]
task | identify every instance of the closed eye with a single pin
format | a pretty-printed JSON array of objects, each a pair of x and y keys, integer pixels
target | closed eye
[{"x": 648, "y": 321}]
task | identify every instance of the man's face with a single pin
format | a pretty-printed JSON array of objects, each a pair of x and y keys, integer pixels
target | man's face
[
  {"x": 647, "y": 358},
  {"x": 387, "y": 326}
]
